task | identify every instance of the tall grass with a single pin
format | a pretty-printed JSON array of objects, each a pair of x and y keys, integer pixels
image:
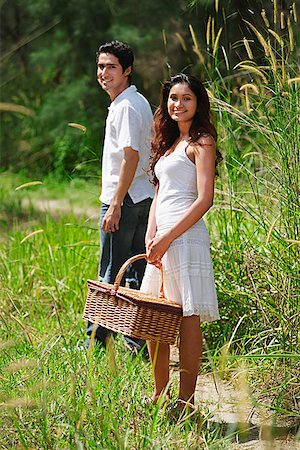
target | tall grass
[
  {"x": 56, "y": 395},
  {"x": 53, "y": 393},
  {"x": 256, "y": 221}
]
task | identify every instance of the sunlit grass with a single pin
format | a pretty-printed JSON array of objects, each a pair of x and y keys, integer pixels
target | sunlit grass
[{"x": 56, "y": 395}]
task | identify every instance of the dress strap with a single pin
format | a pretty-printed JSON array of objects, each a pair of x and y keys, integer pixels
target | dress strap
[
  {"x": 188, "y": 143},
  {"x": 185, "y": 151}
]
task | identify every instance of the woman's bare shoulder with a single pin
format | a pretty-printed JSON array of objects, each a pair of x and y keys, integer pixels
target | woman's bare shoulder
[
  {"x": 206, "y": 140},
  {"x": 204, "y": 144}
]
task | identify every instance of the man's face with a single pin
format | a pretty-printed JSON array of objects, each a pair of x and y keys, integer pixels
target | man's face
[{"x": 110, "y": 74}]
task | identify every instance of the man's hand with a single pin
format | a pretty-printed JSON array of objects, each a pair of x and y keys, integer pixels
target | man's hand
[
  {"x": 128, "y": 167},
  {"x": 111, "y": 219}
]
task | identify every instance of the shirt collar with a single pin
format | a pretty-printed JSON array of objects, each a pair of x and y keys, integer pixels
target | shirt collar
[{"x": 129, "y": 90}]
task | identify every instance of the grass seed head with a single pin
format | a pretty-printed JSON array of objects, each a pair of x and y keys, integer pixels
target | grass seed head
[
  {"x": 217, "y": 41},
  {"x": 265, "y": 19},
  {"x": 208, "y": 26},
  {"x": 248, "y": 49},
  {"x": 291, "y": 34},
  {"x": 21, "y": 364},
  {"x": 274, "y": 11},
  {"x": 282, "y": 21},
  {"x": 196, "y": 48},
  {"x": 21, "y": 402},
  {"x": 294, "y": 12}
]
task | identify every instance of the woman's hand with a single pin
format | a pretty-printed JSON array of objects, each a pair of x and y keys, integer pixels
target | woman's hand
[{"x": 156, "y": 248}]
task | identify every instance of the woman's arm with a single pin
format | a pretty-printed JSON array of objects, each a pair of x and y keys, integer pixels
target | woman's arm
[
  {"x": 151, "y": 227},
  {"x": 204, "y": 152}
]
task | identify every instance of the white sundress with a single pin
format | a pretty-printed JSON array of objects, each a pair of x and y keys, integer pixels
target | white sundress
[{"x": 187, "y": 266}]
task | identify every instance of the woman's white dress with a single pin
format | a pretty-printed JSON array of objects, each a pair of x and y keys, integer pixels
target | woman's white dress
[{"x": 187, "y": 266}]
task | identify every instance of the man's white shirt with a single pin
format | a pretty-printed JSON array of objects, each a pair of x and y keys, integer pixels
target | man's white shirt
[{"x": 129, "y": 123}]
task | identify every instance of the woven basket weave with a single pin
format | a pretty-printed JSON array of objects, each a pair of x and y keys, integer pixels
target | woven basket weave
[{"x": 132, "y": 312}]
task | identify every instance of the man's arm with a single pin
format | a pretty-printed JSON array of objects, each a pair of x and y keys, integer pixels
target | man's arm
[{"x": 128, "y": 167}]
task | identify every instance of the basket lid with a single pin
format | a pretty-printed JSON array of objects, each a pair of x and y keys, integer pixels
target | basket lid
[{"x": 137, "y": 297}]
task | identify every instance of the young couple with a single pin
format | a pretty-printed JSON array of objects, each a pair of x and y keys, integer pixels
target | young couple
[{"x": 182, "y": 165}]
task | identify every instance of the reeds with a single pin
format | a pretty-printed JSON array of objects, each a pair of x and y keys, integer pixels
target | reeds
[
  {"x": 255, "y": 220},
  {"x": 53, "y": 393}
]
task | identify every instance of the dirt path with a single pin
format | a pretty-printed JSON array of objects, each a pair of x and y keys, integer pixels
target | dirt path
[
  {"x": 58, "y": 207},
  {"x": 228, "y": 406}
]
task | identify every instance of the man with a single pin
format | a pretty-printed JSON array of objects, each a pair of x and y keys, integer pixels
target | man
[{"x": 126, "y": 191}]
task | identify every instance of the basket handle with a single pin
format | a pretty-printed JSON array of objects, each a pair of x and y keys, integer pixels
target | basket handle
[{"x": 129, "y": 261}]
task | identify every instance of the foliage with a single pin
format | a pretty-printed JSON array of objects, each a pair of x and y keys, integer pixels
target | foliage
[
  {"x": 54, "y": 395},
  {"x": 48, "y": 57},
  {"x": 259, "y": 184},
  {"x": 53, "y": 392},
  {"x": 48, "y": 66}
]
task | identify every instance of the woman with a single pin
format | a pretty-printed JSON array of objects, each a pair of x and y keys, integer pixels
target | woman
[{"x": 183, "y": 165}]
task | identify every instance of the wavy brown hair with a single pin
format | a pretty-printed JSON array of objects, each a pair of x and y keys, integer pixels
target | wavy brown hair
[{"x": 166, "y": 130}]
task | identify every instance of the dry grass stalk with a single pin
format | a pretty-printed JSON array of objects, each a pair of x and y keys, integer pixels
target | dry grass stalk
[
  {"x": 259, "y": 37},
  {"x": 196, "y": 48},
  {"x": 223, "y": 361},
  {"x": 33, "y": 233},
  {"x": 30, "y": 183},
  {"x": 181, "y": 41},
  {"x": 22, "y": 402},
  {"x": 208, "y": 31},
  {"x": 293, "y": 241},
  {"x": 111, "y": 355},
  {"x": 276, "y": 36},
  {"x": 221, "y": 105},
  {"x": 243, "y": 403},
  {"x": 248, "y": 48},
  {"x": 254, "y": 69},
  {"x": 164, "y": 37},
  {"x": 282, "y": 24},
  {"x": 283, "y": 71},
  {"x": 291, "y": 34},
  {"x": 213, "y": 35},
  {"x": 250, "y": 86},
  {"x": 11, "y": 107},
  {"x": 7, "y": 343},
  {"x": 265, "y": 19},
  {"x": 77, "y": 125},
  {"x": 293, "y": 80},
  {"x": 275, "y": 11},
  {"x": 294, "y": 11},
  {"x": 21, "y": 364},
  {"x": 81, "y": 418},
  {"x": 272, "y": 57},
  {"x": 245, "y": 88},
  {"x": 217, "y": 6},
  {"x": 272, "y": 228},
  {"x": 247, "y": 103},
  {"x": 27, "y": 334},
  {"x": 92, "y": 341},
  {"x": 217, "y": 41}
]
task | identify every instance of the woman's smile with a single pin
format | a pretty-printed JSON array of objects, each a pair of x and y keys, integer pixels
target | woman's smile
[{"x": 182, "y": 102}]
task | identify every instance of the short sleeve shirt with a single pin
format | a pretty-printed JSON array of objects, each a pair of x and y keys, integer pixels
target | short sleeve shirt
[{"x": 128, "y": 124}]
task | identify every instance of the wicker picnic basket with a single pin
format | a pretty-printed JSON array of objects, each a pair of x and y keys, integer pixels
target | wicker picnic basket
[{"x": 132, "y": 312}]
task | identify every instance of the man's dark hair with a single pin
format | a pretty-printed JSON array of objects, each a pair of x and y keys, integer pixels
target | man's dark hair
[{"x": 119, "y": 49}]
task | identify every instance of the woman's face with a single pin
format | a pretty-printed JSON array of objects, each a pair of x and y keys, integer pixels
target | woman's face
[{"x": 182, "y": 103}]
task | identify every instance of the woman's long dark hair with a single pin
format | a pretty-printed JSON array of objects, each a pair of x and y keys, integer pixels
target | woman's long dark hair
[{"x": 166, "y": 130}]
